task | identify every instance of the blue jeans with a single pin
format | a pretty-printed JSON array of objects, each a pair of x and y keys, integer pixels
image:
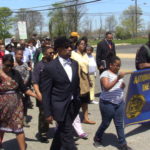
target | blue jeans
[{"x": 111, "y": 111}]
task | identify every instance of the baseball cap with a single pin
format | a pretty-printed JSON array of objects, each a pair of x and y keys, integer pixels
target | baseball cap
[{"x": 73, "y": 34}]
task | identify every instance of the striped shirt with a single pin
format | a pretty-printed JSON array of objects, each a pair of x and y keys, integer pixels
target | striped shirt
[{"x": 114, "y": 95}]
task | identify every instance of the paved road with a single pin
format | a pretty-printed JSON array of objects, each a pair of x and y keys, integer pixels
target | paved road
[
  {"x": 127, "y": 54},
  {"x": 138, "y": 136},
  {"x": 127, "y": 48}
]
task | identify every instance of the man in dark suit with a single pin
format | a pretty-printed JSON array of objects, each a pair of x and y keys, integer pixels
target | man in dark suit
[
  {"x": 60, "y": 91},
  {"x": 105, "y": 50}
]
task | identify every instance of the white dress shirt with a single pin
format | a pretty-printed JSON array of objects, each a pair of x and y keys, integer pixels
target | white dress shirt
[{"x": 67, "y": 66}]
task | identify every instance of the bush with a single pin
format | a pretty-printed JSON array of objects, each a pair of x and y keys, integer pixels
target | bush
[{"x": 122, "y": 34}]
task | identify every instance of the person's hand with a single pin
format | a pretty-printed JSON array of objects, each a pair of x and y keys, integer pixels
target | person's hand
[
  {"x": 39, "y": 97},
  {"x": 122, "y": 85},
  {"x": 29, "y": 68},
  {"x": 100, "y": 67},
  {"x": 49, "y": 119}
]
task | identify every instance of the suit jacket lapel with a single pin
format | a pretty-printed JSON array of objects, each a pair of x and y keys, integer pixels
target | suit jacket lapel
[{"x": 61, "y": 70}]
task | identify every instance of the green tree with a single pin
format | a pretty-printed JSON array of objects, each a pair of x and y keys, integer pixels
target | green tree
[
  {"x": 129, "y": 17},
  {"x": 66, "y": 19},
  {"x": 57, "y": 23},
  {"x": 6, "y": 22},
  {"x": 122, "y": 33}
]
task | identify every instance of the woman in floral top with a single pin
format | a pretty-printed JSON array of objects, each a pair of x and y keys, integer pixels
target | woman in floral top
[{"x": 11, "y": 107}]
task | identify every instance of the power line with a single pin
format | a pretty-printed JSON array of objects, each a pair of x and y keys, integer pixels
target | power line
[
  {"x": 72, "y": 5},
  {"x": 111, "y": 13},
  {"x": 49, "y": 5},
  {"x": 61, "y": 7}
]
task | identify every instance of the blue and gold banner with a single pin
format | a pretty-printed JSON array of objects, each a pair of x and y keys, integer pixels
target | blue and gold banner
[{"x": 138, "y": 98}]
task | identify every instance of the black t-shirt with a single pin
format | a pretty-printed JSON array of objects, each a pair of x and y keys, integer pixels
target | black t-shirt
[
  {"x": 17, "y": 77},
  {"x": 36, "y": 74}
]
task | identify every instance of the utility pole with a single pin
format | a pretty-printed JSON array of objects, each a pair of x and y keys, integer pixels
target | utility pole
[
  {"x": 136, "y": 17},
  {"x": 76, "y": 16}
]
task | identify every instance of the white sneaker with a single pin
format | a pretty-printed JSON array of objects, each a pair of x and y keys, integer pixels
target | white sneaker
[{"x": 94, "y": 102}]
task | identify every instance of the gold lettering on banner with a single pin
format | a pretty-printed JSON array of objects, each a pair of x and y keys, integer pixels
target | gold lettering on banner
[
  {"x": 141, "y": 78},
  {"x": 145, "y": 87}
]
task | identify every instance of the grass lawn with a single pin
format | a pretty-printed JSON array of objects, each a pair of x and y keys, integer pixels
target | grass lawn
[{"x": 130, "y": 41}]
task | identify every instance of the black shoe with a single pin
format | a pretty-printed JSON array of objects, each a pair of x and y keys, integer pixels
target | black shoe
[
  {"x": 125, "y": 147},
  {"x": 25, "y": 124},
  {"x": 30, "y": 106},
  {"x": 97, "y": 143},
  {"x": 43, "y": 139}
]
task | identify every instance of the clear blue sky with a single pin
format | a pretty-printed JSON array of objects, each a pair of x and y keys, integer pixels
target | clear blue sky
[{"x": 107, "y": 7}]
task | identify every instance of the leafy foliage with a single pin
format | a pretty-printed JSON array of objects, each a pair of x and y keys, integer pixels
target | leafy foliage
[
  {"x": 122, "y": 34},
  {"x": 64, "y": 20},
  {"x": 6, "y": 22},
  {"x": 128, "y": 19}
]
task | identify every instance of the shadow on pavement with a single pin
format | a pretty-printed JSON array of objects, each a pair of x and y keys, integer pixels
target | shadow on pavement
[
  {"x": 142, "y": 128},
  {"x": 13, "y": 144},
  {"x": 110, "y": 139},
  {"x": 31, "y": 140}
]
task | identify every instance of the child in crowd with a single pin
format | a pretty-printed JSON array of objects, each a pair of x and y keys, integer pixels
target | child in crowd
[{"x": 92, "y": 73}]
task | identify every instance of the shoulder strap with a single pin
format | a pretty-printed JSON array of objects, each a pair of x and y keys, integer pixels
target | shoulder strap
[{"x": 148, "y": 50}]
